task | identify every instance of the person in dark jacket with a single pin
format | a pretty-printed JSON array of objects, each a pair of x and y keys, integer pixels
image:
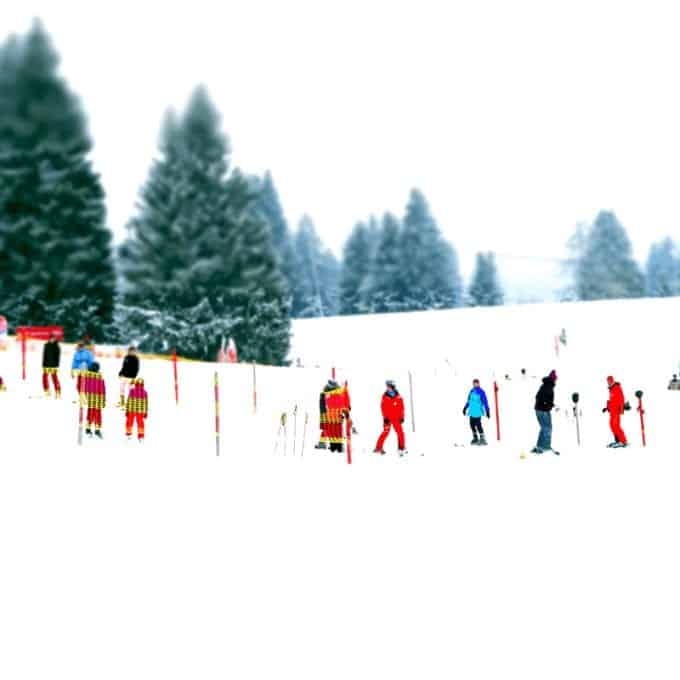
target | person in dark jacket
[
  {"x": 545, "y": 402},
  {"x": 127, "y": 374},
  {"x": 50, "y": 366}
]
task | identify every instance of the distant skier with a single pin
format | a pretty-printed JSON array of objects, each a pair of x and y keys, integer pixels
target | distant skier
[
  {"x": 127, "y": 373},
  {"x": 616, "y": 405},
  {"x": 50, "y": 366},
  {"x": 674, "y": 383},
  {"x": 545, "y": 402},
  {"x": 392, "y": 408},
  {"x": 94, "y": 390},
  {"x": 82, "y": 361},
  {"x": 323, "y": 417},
  {"x": 477, "y": 406},
  {"x": 136, "y": 409}
]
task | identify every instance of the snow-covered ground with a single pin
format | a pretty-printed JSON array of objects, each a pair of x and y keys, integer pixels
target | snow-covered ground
[{"x": 121, "y": 560}]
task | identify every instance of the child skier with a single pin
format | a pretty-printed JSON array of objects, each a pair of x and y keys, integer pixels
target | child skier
[
  {"x": 136, "y": 409},
  {"x": 128, "y": 372},
  {"x": 94, "y": 391},
  {"x": 615, "y": 406},
  {"x": 82, "y": 361},
  {"x": 323, "y": 417},
  {"x": 50, "y": 366},
  {"x": 392, "y": 408},
  {"x": 475, "y": 407}
]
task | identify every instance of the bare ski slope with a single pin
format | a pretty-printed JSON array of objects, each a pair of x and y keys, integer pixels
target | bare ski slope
[{"x": 160, "y": 560}]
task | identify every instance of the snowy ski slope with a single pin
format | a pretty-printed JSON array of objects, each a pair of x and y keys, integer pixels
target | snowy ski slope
[{"x": 121, "y": 560}]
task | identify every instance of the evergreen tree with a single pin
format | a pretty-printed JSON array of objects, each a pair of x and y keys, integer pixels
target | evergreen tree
[
  {"x": 200, "y": 243},
  {"x": 269, "y": 205},
  {"x": 55, "y": 248},
  {"x": 430, "y": 274},
  {"x": 356, "y": 265},
  {"x": 318, "y": 276},
  {"x": 663, "y": 269},
  {"x": 383, "y": 291},
  {"x": 485, "y": 289},
  {"x": 606, "y": 268}
]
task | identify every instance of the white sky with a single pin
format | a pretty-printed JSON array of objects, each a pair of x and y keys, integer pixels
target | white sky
[{"x": 517, "y": 119}]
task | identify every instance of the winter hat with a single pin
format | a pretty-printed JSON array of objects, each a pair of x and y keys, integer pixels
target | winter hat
[
  {"x": 553, "y": 375},
  {"x": 475, "y": 381},
  {"x": 610, "y": 380},
  {"x": 94, "y": 367},
  {"x": 390, "y": 383}
]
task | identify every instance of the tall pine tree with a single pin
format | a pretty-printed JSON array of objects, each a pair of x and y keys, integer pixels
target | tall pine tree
[
  {"x": 663, "y": 269},
  {"x": 199, "y": 242},
  {"x": 269, "y": 206},
  {"x": 605, "y": 268},
  {"x": 356, "y": 266},
  {"x": 55, "y": 248},
  {"x": 485, "y": 289},
  {"x": 382, "y": 290},
  {"x": 318, "y": 276},
  {"x": 430, "y": 273}
]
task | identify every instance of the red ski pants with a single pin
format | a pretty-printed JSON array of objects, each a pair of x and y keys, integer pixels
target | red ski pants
[
  {"x": 615, "y": 425},
  {"x": 130, "y": 419},
  {"x": 46, "y": 381},
  {"x": 94, "y": 417},
  {"x": 386, "y": 430}
]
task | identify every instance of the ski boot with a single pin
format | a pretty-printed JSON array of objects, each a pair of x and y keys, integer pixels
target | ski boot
[
  {"x": 320, "y": 445},
  {"x": 98, "y": 434},
  {"x": 482, "y": 440},
  {"x": 475, "y": 439},
  {"x": 380, "y": 451},
  {"x": 619, "y": 445},
  {"x": 536, "y": 450},
  {"x": 88, "y": 431},
  {"x": 402, "y": 453}
]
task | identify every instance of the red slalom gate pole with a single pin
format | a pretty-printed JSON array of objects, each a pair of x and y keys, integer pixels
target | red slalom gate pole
[
  {"x": 254, "y": 390},
  {"x": 641, "y": 411},
  {"x": 23, "y": 357},
  {"x": 333, "y": 372},
  {"x": 174, "y": 367},
  {"x": 498, "y": 419},
  {"x": 217, "y": 414}
]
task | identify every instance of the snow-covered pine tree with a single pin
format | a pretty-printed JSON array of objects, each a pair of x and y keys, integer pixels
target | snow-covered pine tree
[
  {"x": 606, "y": 268},
  {"x": 55, "y": 248},
  {"x": 485, "y": 288},
  {"x": 319, "y": 274},
  {"x": 356, "y": 266},
  {"x": 382, "y": 290},
  {"x": 430, "y": 274},
  {"x": 663, "y": 269},
  {"x": 269, "y": 205},
  {"x": 198, "y": 239}
]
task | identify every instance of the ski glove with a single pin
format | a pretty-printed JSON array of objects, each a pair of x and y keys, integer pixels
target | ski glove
[
  {"x": 386, "y": 421},
  {"x": 604, "y": 410},
  {"x": 402, "y": 420},
  {"x": 465, "y": 410},
  {"x": 488, "y": 415}
]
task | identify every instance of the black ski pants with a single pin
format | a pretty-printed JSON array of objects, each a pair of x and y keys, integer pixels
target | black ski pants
[{"x": 476, "y": 425}]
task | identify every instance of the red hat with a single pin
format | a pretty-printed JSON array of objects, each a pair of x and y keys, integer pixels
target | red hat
[
  {"x": 552, "y": 375},
  {"x": 610, "y": 379}
]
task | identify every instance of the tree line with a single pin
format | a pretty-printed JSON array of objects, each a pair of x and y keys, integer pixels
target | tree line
[{"x": 208, "y": 253}]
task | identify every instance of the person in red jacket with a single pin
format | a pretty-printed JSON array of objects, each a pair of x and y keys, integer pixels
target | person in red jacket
[
  {"x": 615, "y": 406},
  {"x": 94, "y": 394},
  {"x": 392, "y": 407}
]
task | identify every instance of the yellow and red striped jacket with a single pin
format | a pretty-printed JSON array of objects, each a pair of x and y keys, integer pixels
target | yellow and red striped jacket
[
  {"x": 138, "y": 399},
  {"x": 94, "y": 389}
]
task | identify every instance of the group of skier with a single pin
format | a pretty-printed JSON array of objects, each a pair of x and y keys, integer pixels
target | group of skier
[
  {"x": 91, "y": 387},
  {"x": 334, "y": 408}
]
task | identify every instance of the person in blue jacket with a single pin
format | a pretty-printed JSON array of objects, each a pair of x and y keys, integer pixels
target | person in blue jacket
[
  {"x": 477, "y": 406},
  {"x": 82, "y": 361}
]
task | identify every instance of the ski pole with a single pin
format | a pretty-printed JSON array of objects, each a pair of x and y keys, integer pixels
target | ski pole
[
  {"x": 498, "y": 419},
  {"x": 304, "y": 434},
  {"x": 174, "y": 368},
  {"x": 574, "y": 398},
  {"x": 278, "y": 432},
  {"x": 81, "y": 409},
  {"x": 285, "y": 433},
  {"x": 641, "y": 411},
  {"x": 294, "y": 427}
]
